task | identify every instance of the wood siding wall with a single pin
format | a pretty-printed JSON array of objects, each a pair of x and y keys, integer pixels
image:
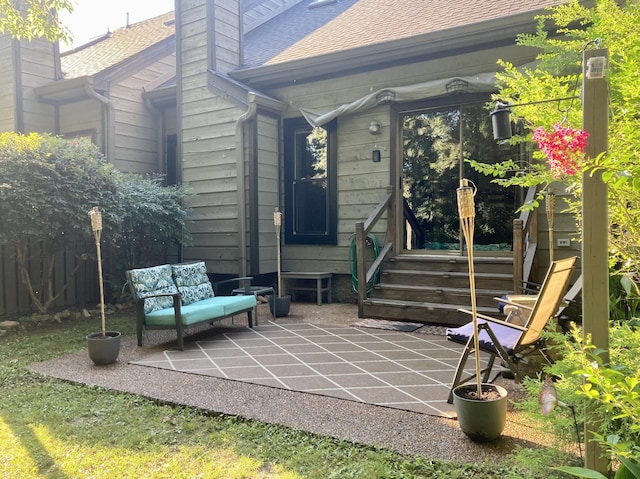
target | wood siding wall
[
  {"x": 138, "y": 128},
  {"x": 361, "y": 182},
  {"x": 37, "y": 63},
  {"x": 208, "y": 126},
  {"x": 227, "y": 33},
  {"x": 268, "y": 140},
  {"x": 83, "y": 117},
  {"x": 564, "y": 226},
  {"x": 7, "y": 85}
]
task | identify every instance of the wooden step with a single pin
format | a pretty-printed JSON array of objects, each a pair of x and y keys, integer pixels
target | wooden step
[
  {"x": 502, "y": 282},
  {"x": 439, "y": 314},
  {"x": 432, "y": 288},
  {"x": 453, "y": 263},
  {"x": 436, "y": 294}
]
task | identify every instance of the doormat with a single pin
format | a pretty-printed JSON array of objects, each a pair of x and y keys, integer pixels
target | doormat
[
  {"x": 433, "y": 330},
  {"x": 388, "y": 325}
]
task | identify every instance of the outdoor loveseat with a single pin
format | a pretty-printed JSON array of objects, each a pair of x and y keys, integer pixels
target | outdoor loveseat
[{"x": 176, "y": 296}]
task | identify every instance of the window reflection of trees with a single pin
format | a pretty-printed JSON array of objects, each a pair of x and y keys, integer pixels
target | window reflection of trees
[
  {"x": 312, "y": 163},
  {"x": 433, "y": 149},
  {"x": 310, "y": 184}
]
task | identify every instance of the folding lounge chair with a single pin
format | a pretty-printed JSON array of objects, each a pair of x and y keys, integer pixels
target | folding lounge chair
[
  {"x": 509, "y": 340},
  {"x": 517, "y": 300}
]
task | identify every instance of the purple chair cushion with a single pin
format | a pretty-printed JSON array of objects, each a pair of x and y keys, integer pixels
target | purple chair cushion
[{"x": 507, "y": 337}]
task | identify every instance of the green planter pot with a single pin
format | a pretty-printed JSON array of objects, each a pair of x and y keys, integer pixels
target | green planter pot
[
  {"x": 282, "y": 305},
  {"x": 103, "y": 349},
  {"x": 481, "y": 420}
]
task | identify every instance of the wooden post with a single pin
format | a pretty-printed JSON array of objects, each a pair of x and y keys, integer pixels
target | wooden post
[
  {"x": 518, "y": 255},
  {"x": 391, "y": 221},
  {"x": 595, "y": 270},
  {"x": 362, "y": 275}
]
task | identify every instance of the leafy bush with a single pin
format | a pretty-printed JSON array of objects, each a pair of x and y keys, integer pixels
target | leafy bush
[
  {"x": 153, "y": 223},
  {"x": 557, "y": 74},
  {"x": 48, "y": 186},
  {"x": 611, "y": 391}
]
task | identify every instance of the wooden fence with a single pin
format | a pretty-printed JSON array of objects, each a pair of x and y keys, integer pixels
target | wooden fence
[{"x": 81, "y": 291}]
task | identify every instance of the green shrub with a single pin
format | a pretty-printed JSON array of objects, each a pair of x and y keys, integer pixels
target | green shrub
[
  {"x": 153, "y": 224},
  {"x": 611, "y": 392},
  {"x": 48, "y": 186}
]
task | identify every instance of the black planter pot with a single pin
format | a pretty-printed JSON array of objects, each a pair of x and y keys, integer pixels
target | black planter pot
[
  {"x": 282, "y": 305},
  {"x": 481, "y": 420},
  {"x": 103, "y": 349}
]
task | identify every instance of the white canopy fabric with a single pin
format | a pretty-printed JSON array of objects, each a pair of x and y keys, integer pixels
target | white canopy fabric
[{"x": 480, "y": 83}]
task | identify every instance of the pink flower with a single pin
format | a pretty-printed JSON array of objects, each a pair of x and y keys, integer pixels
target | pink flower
[{"x": 563, "y": 147}]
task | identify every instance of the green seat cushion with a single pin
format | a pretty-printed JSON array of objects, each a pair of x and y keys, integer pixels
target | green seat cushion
[
  {"x": 233, "y": 304},
  {"x": 192, "y": 282},
  {"x": 151, "y": 281},
  {"x": 206, "y": 309}
]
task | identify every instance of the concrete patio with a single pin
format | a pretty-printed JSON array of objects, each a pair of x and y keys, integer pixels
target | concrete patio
[{"x": 343, "y": 413}]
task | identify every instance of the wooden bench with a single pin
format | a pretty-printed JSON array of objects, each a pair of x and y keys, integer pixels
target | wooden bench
[
  {"x": 306, "y": 275},
  {"x": 176, "y": 296}
]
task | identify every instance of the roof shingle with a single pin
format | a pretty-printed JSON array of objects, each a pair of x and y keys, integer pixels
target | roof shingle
[
  {"x": 300, "y": 32},
  {"x": 120, "y": 45},
  {"x": 368, "y": 22}
]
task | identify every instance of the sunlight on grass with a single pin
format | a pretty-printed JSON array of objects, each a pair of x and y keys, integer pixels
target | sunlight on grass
[
  {"x": 70, "y": 459},
  {"x": 59, "y": 430},
  {"x": 15, "y": 460}
]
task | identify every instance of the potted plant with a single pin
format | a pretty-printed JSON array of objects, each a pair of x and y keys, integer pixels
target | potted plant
[
  {"x": 104, "y": 346},
  {"x": 481, "y": 408},
  {"x": 279, "y": 305}
]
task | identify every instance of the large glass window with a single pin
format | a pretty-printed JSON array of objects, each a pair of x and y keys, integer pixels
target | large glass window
[
  {"x": 310, "y": 197},
  {"x": 437, "y": 142}
]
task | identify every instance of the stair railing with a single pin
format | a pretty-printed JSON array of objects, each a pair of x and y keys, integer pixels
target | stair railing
[
  {"x": 363, "y": 228},
  {"x": 413, "y": 232},
  {"x": 525, "y": 242}
]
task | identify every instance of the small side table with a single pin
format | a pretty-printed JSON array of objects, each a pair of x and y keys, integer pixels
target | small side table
[
  {"x": 256, "y": 291},
  {"x": 305, "y": 275}
]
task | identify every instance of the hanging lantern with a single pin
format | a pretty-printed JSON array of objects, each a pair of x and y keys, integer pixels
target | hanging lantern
[{"x": 501, "y": 122}]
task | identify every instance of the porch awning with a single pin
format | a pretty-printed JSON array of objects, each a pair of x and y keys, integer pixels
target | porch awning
[{"x": 480, "y": 83}]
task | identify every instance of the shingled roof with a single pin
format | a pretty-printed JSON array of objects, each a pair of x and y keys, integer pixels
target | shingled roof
[
  {"x": 306, "y": 29},
  {"x": 367, "y": 22},
  {"x": 117, "y": 47}
]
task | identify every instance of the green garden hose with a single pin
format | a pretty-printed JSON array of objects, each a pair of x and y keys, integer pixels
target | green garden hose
[{"x": 372, "y": 241}]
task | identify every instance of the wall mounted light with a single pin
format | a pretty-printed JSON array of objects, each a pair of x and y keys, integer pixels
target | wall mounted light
[
  {"x": 596, "y": 67},
  {"x": 375, "y": 127}
]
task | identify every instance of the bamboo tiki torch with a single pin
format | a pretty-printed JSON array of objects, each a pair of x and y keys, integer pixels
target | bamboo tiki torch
[
  {"x": 277, "y": 221},
  {"x": 467, "y": 213},
  {"x": 550, "y": 207},
  {"x": 96, "y": 226}
]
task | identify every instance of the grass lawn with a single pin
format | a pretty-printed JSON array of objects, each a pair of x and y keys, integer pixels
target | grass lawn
[{"x": 54, "y": 429}]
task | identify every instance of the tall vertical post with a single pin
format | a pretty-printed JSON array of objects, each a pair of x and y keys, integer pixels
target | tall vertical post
[
  {"x": 361, "y": 238},
  {"x": 595, "y": 270},
  {"x": 518, "y": 255}
]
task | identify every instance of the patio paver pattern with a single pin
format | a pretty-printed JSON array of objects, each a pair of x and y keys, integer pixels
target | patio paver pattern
[{"x": 387, "y": 368}]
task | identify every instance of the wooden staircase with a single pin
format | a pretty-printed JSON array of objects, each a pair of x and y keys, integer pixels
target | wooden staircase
[{"x": 430, "y": 288}]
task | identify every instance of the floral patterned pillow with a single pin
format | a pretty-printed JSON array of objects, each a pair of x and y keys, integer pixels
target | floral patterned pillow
[
  {"x": 192, "y": 282},
  {"x": 150, "y": 281}
]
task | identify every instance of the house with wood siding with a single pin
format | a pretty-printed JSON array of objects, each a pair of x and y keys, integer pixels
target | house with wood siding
[{"x": 334, "y": 112}]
